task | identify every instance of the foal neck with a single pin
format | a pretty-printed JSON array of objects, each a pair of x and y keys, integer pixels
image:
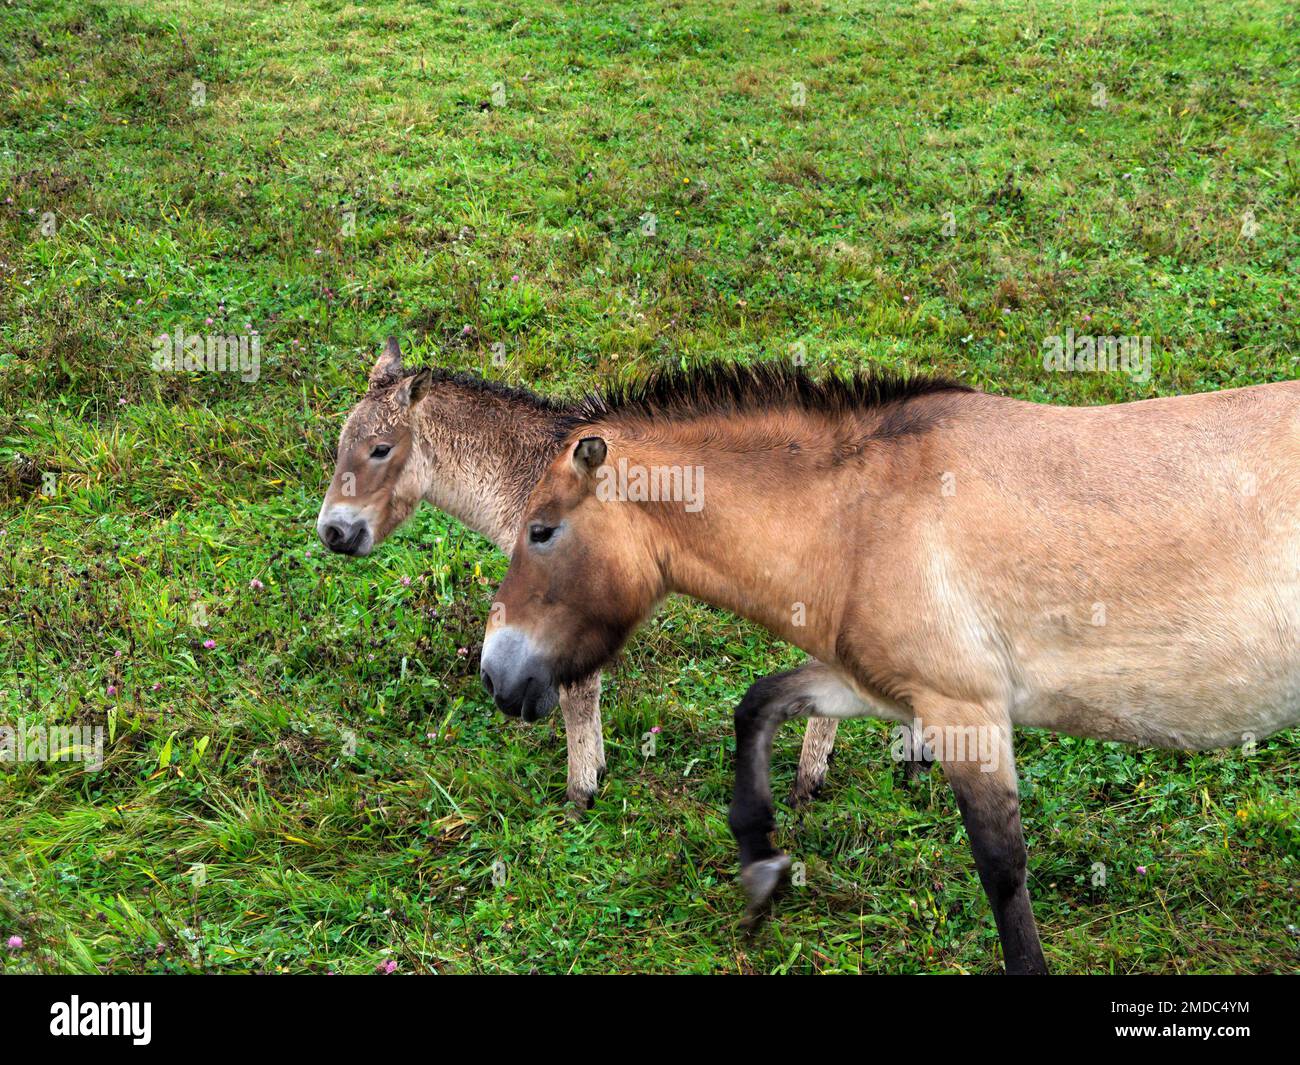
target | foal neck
[{"x": 484, "y": 447}]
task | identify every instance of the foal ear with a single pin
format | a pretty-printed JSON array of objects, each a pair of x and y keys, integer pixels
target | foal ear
[
  {"x": 589, "y": 455},
  {"x": 415, "y": 388},
  {"x": 388, "y": 367}
]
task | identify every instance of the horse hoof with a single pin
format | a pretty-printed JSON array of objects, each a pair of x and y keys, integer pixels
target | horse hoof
[
  {"x": 762, "y": 880},
  {"x": 916, "y": 768},
  {"x": 804, "y": 794},
  {"x": 582, "y": 799}
]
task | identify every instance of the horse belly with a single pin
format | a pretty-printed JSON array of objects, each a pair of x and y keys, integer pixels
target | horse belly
[
  {"x": 1162, "y": 720},
  {"x": 1231, "y": 683}
]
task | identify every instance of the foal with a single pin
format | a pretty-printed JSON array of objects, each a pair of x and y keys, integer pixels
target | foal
[
  {"x": 959, "y": 562},
  {"x": 474, "y": 449}
]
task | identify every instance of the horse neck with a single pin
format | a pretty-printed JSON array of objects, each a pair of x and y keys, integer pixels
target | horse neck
[
  {"x": 484, "y": 451},
  {"x": 769, "y": 540}
]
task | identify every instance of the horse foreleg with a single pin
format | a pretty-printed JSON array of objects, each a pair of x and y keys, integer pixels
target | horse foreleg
[
  {"x": 985, "y": 786},
  {"x": 763, "y": 869},
  {"x": 580, "y": 705}
]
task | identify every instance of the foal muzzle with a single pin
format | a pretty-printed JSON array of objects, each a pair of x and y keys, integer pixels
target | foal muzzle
[{"x": 344, "y": 533}]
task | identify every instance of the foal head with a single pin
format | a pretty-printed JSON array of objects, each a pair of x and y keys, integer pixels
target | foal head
[
  {"x": 379, "y": 477},
  {"x": 583, "y": 574}
]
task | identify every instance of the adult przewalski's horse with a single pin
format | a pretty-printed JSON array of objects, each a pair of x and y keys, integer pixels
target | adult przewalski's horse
[
  {"x": 959, "y": 562},
  {"x": 474, "y": 448}
]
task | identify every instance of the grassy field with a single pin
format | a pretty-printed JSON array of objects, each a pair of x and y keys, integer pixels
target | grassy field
[{"x": 302, "y": 772}]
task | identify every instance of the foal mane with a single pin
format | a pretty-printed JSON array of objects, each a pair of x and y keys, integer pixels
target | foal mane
[
  {"x": 472, "y": 382},
  {"x": 726, "y": 388}
]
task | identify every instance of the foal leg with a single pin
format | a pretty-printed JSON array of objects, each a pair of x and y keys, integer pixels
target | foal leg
[
  {"x": 814, "y": 759},
  {"x": 919, "y": 765},
  {"x": 989, "y": 800},
  {"x": 580, "y": 705},
  {"x": 819, "y": 742}
]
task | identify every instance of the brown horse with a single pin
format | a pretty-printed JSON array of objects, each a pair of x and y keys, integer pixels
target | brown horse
[
  {"x": 474, "y": 449},
  {"x": 959, "y": 562}
]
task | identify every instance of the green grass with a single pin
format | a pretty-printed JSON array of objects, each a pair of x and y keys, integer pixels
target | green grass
[{"x": 332, "y": 762}]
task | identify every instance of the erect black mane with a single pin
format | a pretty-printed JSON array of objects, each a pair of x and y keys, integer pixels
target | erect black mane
[
  {"x": 730, "y": 388},
  {"x": 720, "y": 388}
]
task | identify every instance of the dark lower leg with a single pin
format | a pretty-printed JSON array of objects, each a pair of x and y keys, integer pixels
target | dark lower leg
[
  {"x": 991, "y": 811},
  {"x": 751, "y": 816},
  {"x": 763, "y": 868}
]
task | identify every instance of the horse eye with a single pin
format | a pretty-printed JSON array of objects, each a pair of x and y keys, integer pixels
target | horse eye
[
  {"x": 381, "y": 451},
  {"x": 539, "y": 533}
]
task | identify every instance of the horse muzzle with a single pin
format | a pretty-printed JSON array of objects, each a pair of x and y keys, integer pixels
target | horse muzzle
[{"x": 516, "y": 677}]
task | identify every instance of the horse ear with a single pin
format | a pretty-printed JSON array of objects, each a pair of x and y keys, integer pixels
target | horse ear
[
  {"x": 415, "y": 388},
  {"x": 388, "y": 367},
  {"x": 589, "y": 455}
]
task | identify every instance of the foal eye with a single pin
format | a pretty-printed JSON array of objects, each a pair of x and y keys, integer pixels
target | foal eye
[
  {"x": 539, "y": 533},
  {"x": 381, "y": 451}
]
